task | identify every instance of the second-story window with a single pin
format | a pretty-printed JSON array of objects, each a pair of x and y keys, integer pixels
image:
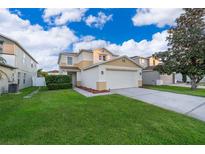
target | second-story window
[
  {"x": 100, "y": 58},
  {"x": 70, "y": 61}
]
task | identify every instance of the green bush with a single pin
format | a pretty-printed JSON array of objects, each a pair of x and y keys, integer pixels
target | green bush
[
  {"x": 55, "y": 86},
  {"x": 58, "y": 79},
  {"x": 58, "y": 82}
]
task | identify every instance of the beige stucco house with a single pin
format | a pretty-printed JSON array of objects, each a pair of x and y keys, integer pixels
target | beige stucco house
[
  {"x": 20, "y": 66},
  {"x": 149, "y": 75},
  {"x": 100, "y": 69}
]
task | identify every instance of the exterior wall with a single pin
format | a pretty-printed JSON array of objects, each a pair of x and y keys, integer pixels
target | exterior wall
[
  {"x": 10, "y": 59},
  {"x": 152, "y": 60},
  {"x": 101, "y": 85},
  {"x": 83, "y": 60},
  {"x": 63, "y": 60},
  {"x": 150, "y": 77},
  {"x": 85, "y": 56},
  {"x": 167, "y": 79},
  {"x": 141, "y": 61},
  {"x": 98, "y": 52},
  {"x": 84, "y": 64},
  {"x": 6, "y": 78},
  {"x": 25, "y": 65},
  {"x": 8, "y": 46},
  {"x": 90, "y": 77}
]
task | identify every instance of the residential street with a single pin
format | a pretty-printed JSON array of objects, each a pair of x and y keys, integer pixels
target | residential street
[{"x": 189, "y": 105}]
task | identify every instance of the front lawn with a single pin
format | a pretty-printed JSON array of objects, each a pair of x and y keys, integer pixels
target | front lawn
[
  {"x": 66, "y": 117},
  {"x": 180, "y": 90}
]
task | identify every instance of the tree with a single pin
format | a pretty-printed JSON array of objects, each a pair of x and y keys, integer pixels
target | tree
[
  {"x": 186, "y": 47},
  {"x": 41, "y": 73}
]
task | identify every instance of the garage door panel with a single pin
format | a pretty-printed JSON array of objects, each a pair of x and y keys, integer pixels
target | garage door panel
[{"x": 121, "y": 79}]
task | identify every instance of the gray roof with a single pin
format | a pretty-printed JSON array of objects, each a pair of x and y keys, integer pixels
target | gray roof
[{"x": 138, "y": 57}]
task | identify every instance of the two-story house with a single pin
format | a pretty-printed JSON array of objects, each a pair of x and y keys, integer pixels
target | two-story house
[
  {"x": 149, "y": 75},
  {"x": 146, "y": 62},
  {"x": 20, "y": 66},
  {"x": 100, "y": 69}
]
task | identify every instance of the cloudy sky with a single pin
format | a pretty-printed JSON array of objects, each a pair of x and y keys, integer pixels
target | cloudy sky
[{"x": 47, "y": 32}]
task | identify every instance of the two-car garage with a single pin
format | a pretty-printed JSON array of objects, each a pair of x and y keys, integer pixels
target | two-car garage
[{"x": 121, "y": 78}]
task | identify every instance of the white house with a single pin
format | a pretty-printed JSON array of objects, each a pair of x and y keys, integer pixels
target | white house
[
  {"x": 100, "y": 69},
  {"x": 20, "y": 66}
]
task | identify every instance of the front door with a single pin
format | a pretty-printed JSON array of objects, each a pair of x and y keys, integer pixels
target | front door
[{"x": 73, "y": 77}]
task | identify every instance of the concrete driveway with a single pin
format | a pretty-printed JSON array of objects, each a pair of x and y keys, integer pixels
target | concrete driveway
[{"x": 189, "y": 105}]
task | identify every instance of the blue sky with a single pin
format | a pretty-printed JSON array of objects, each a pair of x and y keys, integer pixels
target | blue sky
[
  {"x": 119, "y": 29},
  {"x": 47, "y": 32}
]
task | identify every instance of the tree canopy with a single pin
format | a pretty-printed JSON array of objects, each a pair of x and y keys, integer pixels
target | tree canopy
[{"x": 186, "y": 47}]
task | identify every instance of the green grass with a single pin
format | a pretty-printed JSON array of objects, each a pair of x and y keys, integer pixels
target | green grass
[
  {"x": 66, "y": 117},
  {"x": 180, "y": 90}
]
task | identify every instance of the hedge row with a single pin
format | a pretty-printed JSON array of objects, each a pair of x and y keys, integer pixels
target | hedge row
[
  {"x": 58, "y": 79},
  {"x": 54, "y": 82},
  {"x": 55, "y": 86}
]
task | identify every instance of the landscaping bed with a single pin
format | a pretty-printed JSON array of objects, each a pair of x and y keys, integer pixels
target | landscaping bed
[{"x": 94, "y": 91}]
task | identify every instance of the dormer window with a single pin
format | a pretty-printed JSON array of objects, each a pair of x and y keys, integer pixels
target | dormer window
[{"x": 70, "y": 61}]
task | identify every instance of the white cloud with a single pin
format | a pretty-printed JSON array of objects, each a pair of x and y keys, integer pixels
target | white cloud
[
  {"x": 43, "y": 45},
  {"x": 97, "y": 21},
  {"x": 63, "y": 16},
  {"x": 159, "y": 17},
  {"x": 130, "y": 47}
]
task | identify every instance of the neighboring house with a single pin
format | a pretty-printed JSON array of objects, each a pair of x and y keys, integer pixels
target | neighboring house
[
  {"x": 53, "y": 72},
  {"x": 149, "y": 75},
  {"x": 21, "y": 65},
  {"x": 100, "y": 69}
]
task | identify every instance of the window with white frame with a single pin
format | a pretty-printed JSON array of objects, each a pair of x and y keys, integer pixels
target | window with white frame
[
  {"x": 70, "y": 60},
  {"x": 24, "y": 78}
]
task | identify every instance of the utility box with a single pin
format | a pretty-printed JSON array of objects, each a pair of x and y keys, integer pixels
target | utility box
[{"x": 13, "y": 88}]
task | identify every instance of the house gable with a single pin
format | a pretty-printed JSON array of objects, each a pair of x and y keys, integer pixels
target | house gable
[{"x": 123, "y": 61}]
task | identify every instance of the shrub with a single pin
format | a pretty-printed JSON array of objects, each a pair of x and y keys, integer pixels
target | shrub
[
  {"x": 58, "y": 79},
  {"x": 55, "y": 86},
  {"x": 58, "y": 82}
]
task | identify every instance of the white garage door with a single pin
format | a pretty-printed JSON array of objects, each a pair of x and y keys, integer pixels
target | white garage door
[{"x": 121, "y": 79}]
